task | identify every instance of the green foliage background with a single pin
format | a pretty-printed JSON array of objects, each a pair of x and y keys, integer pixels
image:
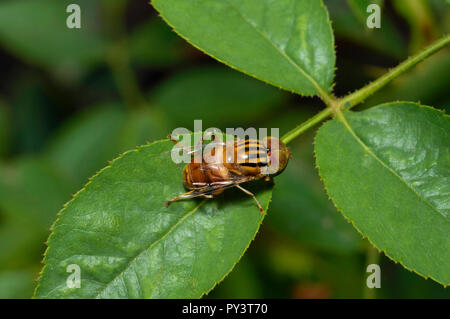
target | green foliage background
[{"x": 71, "y": 100}]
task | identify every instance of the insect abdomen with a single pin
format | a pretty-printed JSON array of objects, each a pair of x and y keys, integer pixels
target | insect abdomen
[
  {"x": 251, "y": 155},
  {"x": 200, "y": 175}
]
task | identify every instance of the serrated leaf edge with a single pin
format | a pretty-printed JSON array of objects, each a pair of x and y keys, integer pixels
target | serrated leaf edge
[
  {"x": 48, "y": 242},
  {"x": 303, "y": 72},
  {"x": 351, "y": 221}
]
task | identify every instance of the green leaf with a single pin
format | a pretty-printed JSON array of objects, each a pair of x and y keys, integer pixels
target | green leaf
[
  {"x": 288, "y": 43},
  {"x": 386, "y": 40},
  {"x": 215, "y": 95},
  {"x": 87, "y": 142},
  {"x": 154, "y": 44},
  {"x": 32, "y": 191},
  {"x": 141, "y": 127},
  {"x": 359, "y": 8},
  {"x": 387, "y": 170},
  {"x": 16, "y": 284},
  {"x": 128, "y": 245},
  {"x": 421, "y": 21},
  {"x": 37, "y": 32},
  {"x": 31, "y": 116},
  {"x": 20, "y": 246},
  {"x": 4, "y": 129}
]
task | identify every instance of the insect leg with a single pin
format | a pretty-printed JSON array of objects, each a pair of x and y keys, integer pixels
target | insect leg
[
  {"x": 261, "y": 210},
  {"x": 199, "y": 145},
  {"x": 190, "y": 194},
  {"x": 212, "y": 136},
  {"x": 268, "y": 179},
  {"x": 188, "y": 151}
]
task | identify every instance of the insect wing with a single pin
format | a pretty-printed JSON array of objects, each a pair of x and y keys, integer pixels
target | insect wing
[
  {"x": 180, "y": 153},
  {"x": 213, "y": 187}
]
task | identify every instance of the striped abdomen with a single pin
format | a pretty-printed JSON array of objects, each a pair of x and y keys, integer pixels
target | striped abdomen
[{"x": 250, "y": 157}]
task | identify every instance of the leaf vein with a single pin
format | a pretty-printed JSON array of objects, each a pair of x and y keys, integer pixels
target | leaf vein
[
  {"x": 319, "y": 89},
  {"x": 152, "y": 245},
  {"x": 370, "y": 152}
]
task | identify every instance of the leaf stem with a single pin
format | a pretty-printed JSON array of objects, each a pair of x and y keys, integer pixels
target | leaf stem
[
  {"x": 372, "y": 257},
  {"x": 118, "y": 57},
  {"x": 119, "y": 62},
  {"x": 335, "y": 105},
  {"x": 328, "y": 99},
  {"x": 357, "y": 97},
  {"x": 319, "y": 117}
]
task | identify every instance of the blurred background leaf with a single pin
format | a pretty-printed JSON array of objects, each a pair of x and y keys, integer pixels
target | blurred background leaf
[
  {"x": 349, "y": 23},
  {"x": 15, "y": 284},
  {"x": 421, "y": 23},
  {"x": 99, "y": 134},
  {"x": 242, "y": 282},
  {"x": 5, "y": 127},
  {"x": 216, "y": 95},
  {"x": 32, "y": 191},
  {"x": 359, "y": 8},
  {"x": 31, "y": 117},
  {"x": 35, "y": 31},
  {"x": 86, "y": 143},
  {"x": 21, "y": 247},
  {"x": 154, "y": 44}
]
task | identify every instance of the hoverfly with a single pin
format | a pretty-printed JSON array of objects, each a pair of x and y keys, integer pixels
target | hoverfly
[{"x": 234, "y": 162}]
